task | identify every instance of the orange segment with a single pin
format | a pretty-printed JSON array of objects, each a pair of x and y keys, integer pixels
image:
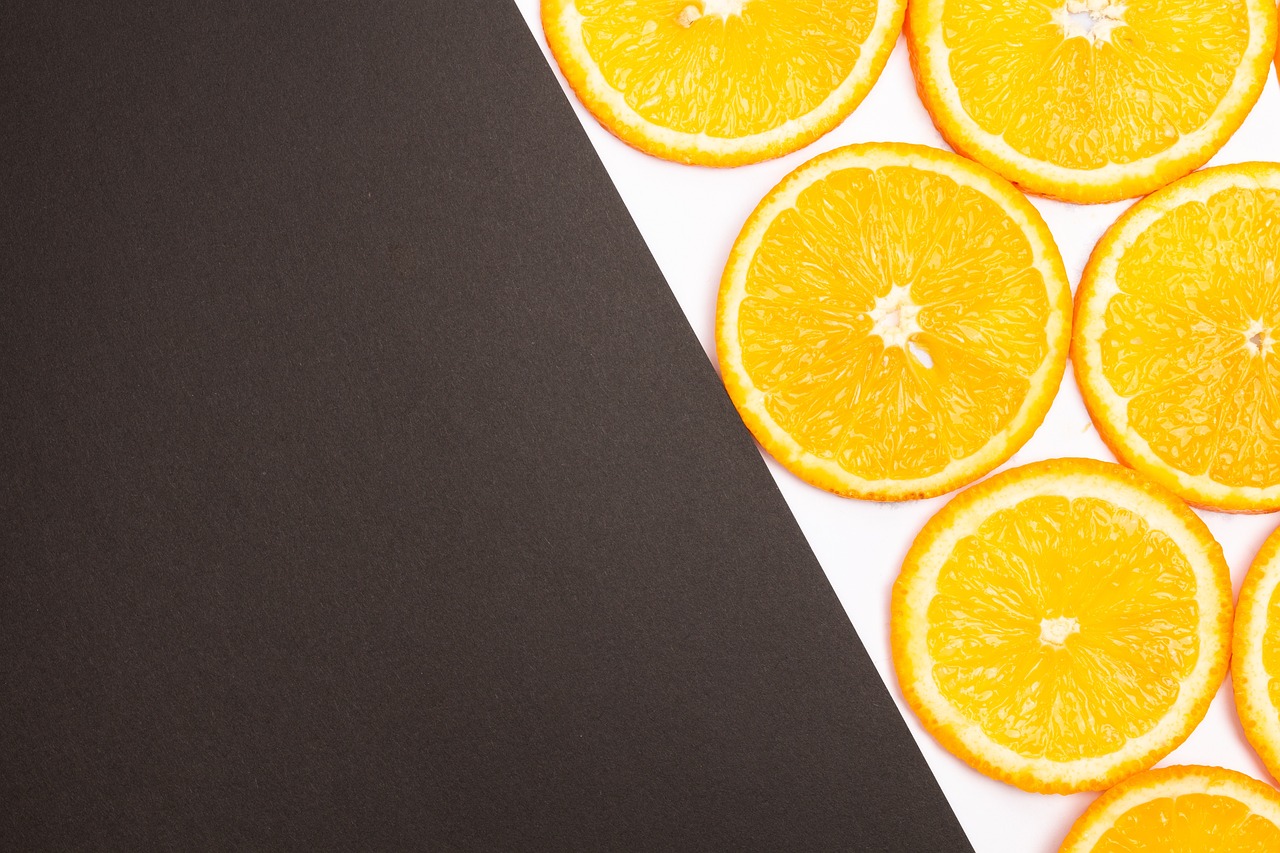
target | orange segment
[
  {"x": 1062, "y": 625},
  {"x": 1090, "y": 100},
  {"x": 891, "y": 321},
  {"x": 1177, "y": 340},
  {"x": 1255, "y": 662},
  {"x": 1205, "y": 809},
  {"x": 721, "y": 82}
]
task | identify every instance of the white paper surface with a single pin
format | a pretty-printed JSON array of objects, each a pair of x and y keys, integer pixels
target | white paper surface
[{"x": 689, "y": 216}]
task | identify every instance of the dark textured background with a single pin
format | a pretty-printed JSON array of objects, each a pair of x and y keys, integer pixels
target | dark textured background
[{"x": 363, "y": 486}]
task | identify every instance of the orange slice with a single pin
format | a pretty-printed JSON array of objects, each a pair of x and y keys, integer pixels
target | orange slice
[
  {"x": 893, "y": 321},
  {"x": 1090, "y": 100},
  {"x": 721, "y": 82},
  {"x": 1177, "y": 337},
  {"x": 1062, "y": 625},
  {"x": 1181, "y": 810},
  {"x": 1255, "y": 649}
]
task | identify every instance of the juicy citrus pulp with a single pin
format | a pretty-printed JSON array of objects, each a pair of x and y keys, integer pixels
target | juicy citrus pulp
[
  {"x": 1177, "y": 809},
  {"x": 1062, "y": 625},
  {"x": 892, "y": 321},
  {"x": 1255, "y": 649},
  {"x": 721, "y": 82},
  {"x": 1090, "y": 100},
  {"x": 1177, "y": 337}
]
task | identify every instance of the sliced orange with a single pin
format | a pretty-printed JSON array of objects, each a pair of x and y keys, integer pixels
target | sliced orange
[
  {"x": 1090, "y": 100},
  {"x": 1177, "y": 337},
  {"x": 1255, "y": 650},
  {"x": 721, "y": 82},
  {"x": 1062, "y": 625},
  {"x": 893, "y": 321},
  {"x": 1183, "y": 809}
]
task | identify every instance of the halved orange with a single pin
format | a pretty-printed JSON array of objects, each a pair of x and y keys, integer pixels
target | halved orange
[
  {"x": 1090, "y": 100},
  {"x": 1177, "y": 337},
  {"x": 1255, "y": 649},
  {"x": 893, "y": 321},
  {"x": 721, "y": 82},
  {"x": 1062, "y": 625},
  {"x": 1183, "y": 809}
]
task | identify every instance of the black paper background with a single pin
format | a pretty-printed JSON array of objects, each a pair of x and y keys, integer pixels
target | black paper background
[{"x": 363, "y": 485}]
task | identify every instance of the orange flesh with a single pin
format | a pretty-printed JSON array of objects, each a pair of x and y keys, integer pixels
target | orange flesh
[
  {"x": 1063, "y": 627},
  {"x": 1271, "y": 649},
  {"x": 1080, "y": 90},
  {"x": 1191, "y": 823},
  {"x": 854, "y": 242},
  {"x": 681, "y": 65},
  {"x": 1193, "y": 337}
]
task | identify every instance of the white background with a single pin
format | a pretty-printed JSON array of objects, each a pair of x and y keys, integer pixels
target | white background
[{"x": 689, "y": 217}]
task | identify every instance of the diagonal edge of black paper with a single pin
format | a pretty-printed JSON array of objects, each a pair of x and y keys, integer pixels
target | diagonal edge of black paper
[{"x": 364, "y": 485}]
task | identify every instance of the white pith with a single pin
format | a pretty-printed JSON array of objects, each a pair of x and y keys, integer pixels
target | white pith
[
  {"x": 1258, "y": 339},
  {"x": 1092, "y": 20},
  {"x": 894, "y": 317},
  {"x": 723, "y": 8},
  {"x": 1055, "y": 631}
]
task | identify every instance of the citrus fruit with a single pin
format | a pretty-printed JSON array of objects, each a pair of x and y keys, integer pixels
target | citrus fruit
[
  {"x": 1062, "y": 625},
  {"x": 1177, "y": 337},
  {"x": 893, "y": 321},
  {"x": 1255, "y": 649},
  {"x": 1090, "y": 100},
  {"x": 1181, "y": 810},
  {"x": 721, "y": 82}
]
